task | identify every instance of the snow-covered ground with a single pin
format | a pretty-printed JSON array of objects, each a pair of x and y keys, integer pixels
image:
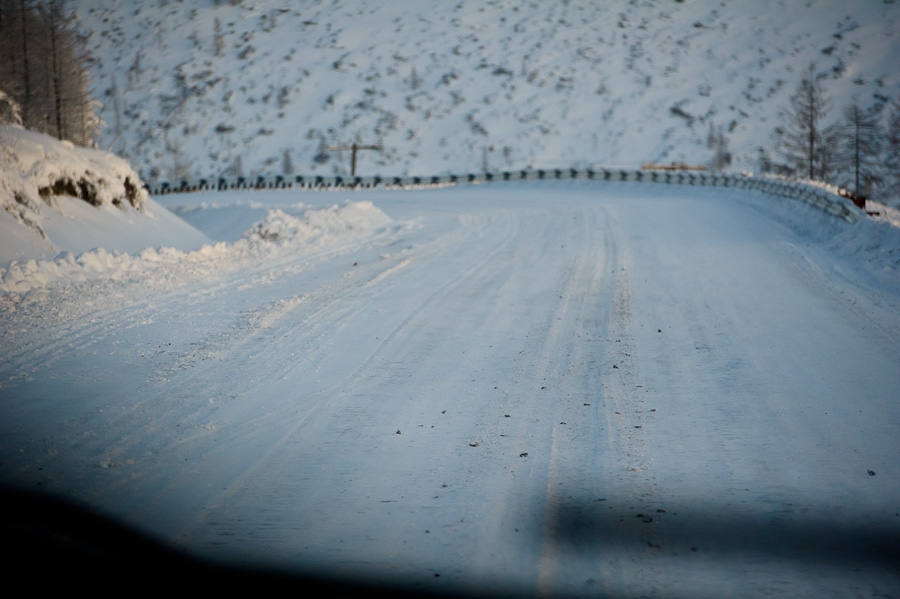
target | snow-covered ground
[
  {"x": 57, "y": 198},
  {"x": 546, "y": 387}
]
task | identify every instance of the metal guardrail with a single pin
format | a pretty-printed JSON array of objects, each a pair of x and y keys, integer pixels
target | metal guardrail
[{"x": 817, "y": 195}]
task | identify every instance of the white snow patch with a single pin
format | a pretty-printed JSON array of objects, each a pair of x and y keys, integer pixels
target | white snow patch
[
  {"x": 279, "y": 234},
  {"x": 57, "y": 197}
]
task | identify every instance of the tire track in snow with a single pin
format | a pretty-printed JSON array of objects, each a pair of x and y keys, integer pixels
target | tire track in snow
[
  {"x": 743, "y": 407},
  {"x": 334, "y": 313},
  {"x": 248, "y": 350},
  {"x": 742, "y": 462},
  {"x": 55, "y": 314},
  {"x": 58, "y": 337},
  {"x": 579, "y": 470},
  {"x": 500, "y": 441}
]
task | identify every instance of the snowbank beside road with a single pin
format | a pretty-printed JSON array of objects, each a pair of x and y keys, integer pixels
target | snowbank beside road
[
  {"x": 286, "y": 230},
  {"x": 867, "y": 251},
  {"x": 48, "y": 168},
  {"x": 59, "y": 198}
]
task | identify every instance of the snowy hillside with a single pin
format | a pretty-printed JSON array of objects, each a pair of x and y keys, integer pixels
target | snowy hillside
[
  {"x": 59, "y": 198},
  {"x": 265, "y": 87}
]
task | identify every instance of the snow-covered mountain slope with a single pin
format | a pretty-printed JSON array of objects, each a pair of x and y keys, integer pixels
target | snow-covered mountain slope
[
  {"x": 265, "y": 87},
  {"x": 59, "y": 198}
]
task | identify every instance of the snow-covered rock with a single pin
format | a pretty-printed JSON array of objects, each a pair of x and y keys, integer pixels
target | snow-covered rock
[{"x": 58, "y": 197}]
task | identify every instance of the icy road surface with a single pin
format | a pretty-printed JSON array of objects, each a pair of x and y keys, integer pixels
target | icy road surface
[{"x": 562, "y": 388}]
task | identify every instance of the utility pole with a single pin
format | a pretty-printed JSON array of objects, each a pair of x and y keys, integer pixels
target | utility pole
[{"x": 353, "y": 148}]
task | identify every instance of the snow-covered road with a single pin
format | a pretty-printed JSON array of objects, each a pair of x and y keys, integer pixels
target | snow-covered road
[{"x": 562, "y": 387}]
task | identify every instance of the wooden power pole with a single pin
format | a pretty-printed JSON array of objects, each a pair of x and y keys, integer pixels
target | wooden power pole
[{"x": 353, "y": 148}]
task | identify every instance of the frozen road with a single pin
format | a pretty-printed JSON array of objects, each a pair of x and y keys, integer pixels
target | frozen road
[{"x": 565, "y": 388}]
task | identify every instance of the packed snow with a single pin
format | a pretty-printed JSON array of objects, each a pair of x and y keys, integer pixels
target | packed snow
[{"x": 545, "y": 387}]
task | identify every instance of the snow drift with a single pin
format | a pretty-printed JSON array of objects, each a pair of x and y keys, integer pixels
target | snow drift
[
  {"x": 285, "y": 231},
  {"x": 60, "y": 198}
]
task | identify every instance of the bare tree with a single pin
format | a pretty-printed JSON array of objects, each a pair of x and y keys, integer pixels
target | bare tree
[
  {"x": 15, "y": 27},
  {"x": 718, "y": 143},
  {"x": 43, "y": 70},
  {"x": 802, "y": 141},
  {"x": 218, "y": 37},
  {"x": 861, "y": 145},
  {"x": 287, "y": 165},
  {"x": 892, "y": 161},
  {"x": 829, "y": 160}
]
